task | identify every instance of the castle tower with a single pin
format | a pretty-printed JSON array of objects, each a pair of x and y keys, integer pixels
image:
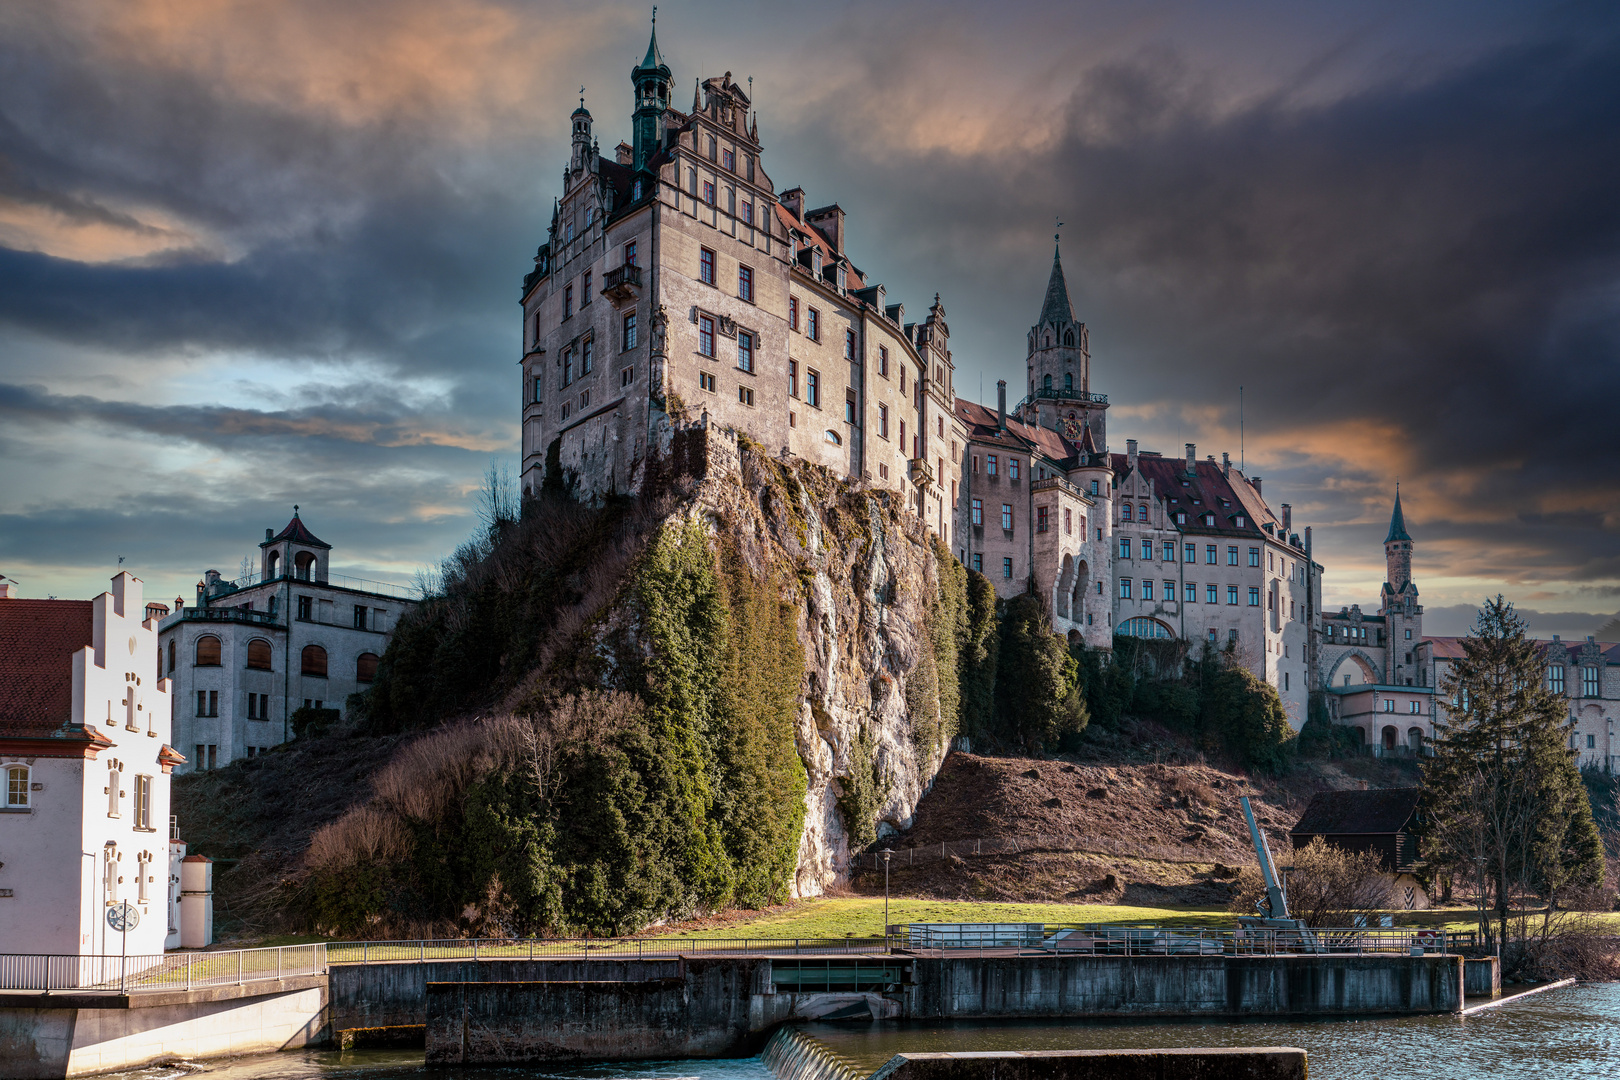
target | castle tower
[
  {"x": 581, "y": 120},
  {"x": 1398, "y": 548},
  {"x": 1059, "y": 367},
  {"x": 653, "y": 82}
]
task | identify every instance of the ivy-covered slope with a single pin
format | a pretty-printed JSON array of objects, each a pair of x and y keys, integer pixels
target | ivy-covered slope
[{"x": 700, "y": 697}]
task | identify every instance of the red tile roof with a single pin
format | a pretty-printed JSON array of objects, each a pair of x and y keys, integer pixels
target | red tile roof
[
  {"x": 298, "y": 533},
  {"x": 37, "y": 641},
  {"x": 856, "y": 279},
  {"x": 981, "y": 425},
  {"x": 1209, "y": 485}
]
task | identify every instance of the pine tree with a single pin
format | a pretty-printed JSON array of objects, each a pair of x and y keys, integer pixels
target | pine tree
[{"x": 1504, "y": 796}]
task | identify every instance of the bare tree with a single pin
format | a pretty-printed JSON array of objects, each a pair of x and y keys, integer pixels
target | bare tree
[{"x": 1327, "y": 886}]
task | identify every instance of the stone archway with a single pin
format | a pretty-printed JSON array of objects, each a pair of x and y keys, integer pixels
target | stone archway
[
  {"x": 1065, "y": 587},
  {"x": 1357, "y": 666},
  {"x": 1077, "y": 594}
]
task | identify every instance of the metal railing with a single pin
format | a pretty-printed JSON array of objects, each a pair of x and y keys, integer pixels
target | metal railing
[
  {"x": 393, "y": 952},
  {"x": 1065, "y": 395},
  {"x": 146, "y": 972},
  {"x": 1154, "y": 940}
]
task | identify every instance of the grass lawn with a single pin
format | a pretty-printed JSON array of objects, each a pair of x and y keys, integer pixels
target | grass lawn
[{"x": 862, "y": 916}]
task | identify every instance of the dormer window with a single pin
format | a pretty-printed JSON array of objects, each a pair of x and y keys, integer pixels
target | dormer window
[
  {"x": 1240, "y": 521},
  {"x": 815, "y": 261},
  {"x": 1181, "y": 517}
]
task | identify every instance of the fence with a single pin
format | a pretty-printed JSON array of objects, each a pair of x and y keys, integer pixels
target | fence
[
  {"x": 385, "y": 952},
  {"x": 1095, "y": 940},
  {"x": 153, "y": 972}
]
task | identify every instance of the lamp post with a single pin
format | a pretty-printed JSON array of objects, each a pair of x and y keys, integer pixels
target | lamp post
[{"x": 887, "y": 855}]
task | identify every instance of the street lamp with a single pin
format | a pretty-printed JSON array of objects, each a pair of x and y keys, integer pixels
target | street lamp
[{"x": 887, "y": 855}]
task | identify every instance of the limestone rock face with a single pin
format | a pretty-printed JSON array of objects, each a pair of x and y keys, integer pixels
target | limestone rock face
[{"x": 867, "y": 573}]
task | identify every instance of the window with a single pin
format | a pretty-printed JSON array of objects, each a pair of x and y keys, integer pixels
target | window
[
  {"x": 748, "y": 213},
  {"x": 208, "y": 651},
  {"x": 1124, "y": 588},
  {"x": 745, "y": 283},
  {"x": 1012, "y": 468},
  {"x": 1046, "y": 384},
  {"x": 171, "y": 654},
  {"x": 1147, "y": 550},
  {"x": 1231, "y": 556},
  {"x": 1555, "y": 678},
  {"x": 812, "y": 388},
  {"x": 1094, "y": 487},
  {"x": 883, "y": 361},
  {"x": 1006, "y": 568},
  {"x": 711, "y": 148},
  {"x": 793, "y": 313},
  {"x": 1254, "y": 596},
  {"x": 1124, "y": 547},
  {"x": 365, "y": 667},
  {"x": 1232, "y": 594},
  {"x": 708, "y": 195},
  {"x": 1254, "y": 556},
  {"x": 978, "y": 511},
  {"x": 539, "y": 391},
  {"x": 626, "y": 377},
  {"x": 1168, "y": 552},
  {"x": 1146, "y": 628},
  {"x": 706, "y": 381},
  {"x": 745, "y": 351},
  {"x": 1414, "y": 708},
  {"x": 1142, "y": 513},
  {"x": 115, "y": 784},
  {"x": 745, "y": 395},
  {"x": 585, "y": 399},
  {"x": 359, "y": 616},
  {"x": 629, "y": 333},
  {"x": 1589, "y": 682},
  {"x": 1006, "y": 516},
  {"x": 1209, "y": 554},
  {"x": 143, "y": 806},
  {"x": 706, "y": 335},
  {"x": 990, "y": 464},
  {"x": 1068, "y": 382},
  {"x": 1212, "y": 594},
  {"x": 568, "y": 301},
  {"x": 258, "y": 654},
  {"x": 1591, "y": 742},
  {"x": 1189, "y": 553},
  {"x": 1170, "y": 591},
  {"x": 1190, "y": 594},
  {"x": 17, "y": 787},
  {"x": 1408, "y": 635},
  {"x": 1389, "y": 704},
  {"x": 1240, "y": 521},
  {"x": 706, "y": 266},
  {"x": 849, "y": 410},
  {"x": 1270, "y": 562},
  {"x": 1147, "y": 588},
  {"x": 793, "y": 378},
  {"x": 813, "y": 322},
  {"x": 314, "y": 661},
  {"x": 883, "y": 421},
  {"x": 978, "y": 562},
  {"x": 1125, "y": 512},
  {"x": 630, "y": 253},
  {"x": 1040, "y": 519},
  {"x": 585, "y": 291},
  {"x": 849, "y": 344},
  {"x": 568, "y": 367},
  {"x": 729, "y": 160}
]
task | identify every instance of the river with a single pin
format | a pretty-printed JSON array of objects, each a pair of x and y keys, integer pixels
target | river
[{"x": 1569, "y": 1032}]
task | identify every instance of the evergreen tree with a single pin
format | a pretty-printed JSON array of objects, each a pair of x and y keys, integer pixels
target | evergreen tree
[
  {"x": 977, "y": 659},
  {"x": 1505, "y": 798},
  {"x": 1037, "y": 681}
]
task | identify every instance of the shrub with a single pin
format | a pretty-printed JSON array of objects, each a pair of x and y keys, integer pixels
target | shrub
[
  {"x": 309, "y": 722},
  {"x": 1327, "y": 886},
  {"x": 1038, "y": 682}
]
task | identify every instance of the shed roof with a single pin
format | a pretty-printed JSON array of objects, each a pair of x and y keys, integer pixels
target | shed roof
[{"x": 1380, "y": 811}]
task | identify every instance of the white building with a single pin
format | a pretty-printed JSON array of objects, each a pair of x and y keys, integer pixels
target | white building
[
  {"x": 240, "y": 666},
  {"x": 84, "y": 733}
]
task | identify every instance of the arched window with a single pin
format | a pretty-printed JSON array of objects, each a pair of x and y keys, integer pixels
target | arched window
[
  {"x": 365, "y": 667},
  {"x": 1146, "y": 628},
  {"x": 1068, "y": 338},
  {"x": 259, "y": 654},
  {"x": 1046, "y": 384},
  {"x": 314, "y": 661},
  {"x": 303, "y": 564},
  {"x": 16, "y": 786},
  {"x": 208, "y": 651},
  {"x": 1068, "y": 381},
  {"x": 171, "y": 654},
  {"x": 272, "y": 565},
  {"x": 1048, "y": 341}
]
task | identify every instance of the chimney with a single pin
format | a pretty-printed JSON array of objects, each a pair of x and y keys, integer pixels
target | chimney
[
  {"x": 1192, "y": 459},
  {"x": 1001, "y": 404},
  {"x": 5, "y": 589},
  {"x": 1288, "y": 518},
  {"x": 1226, "y": 464},
  {"x": 1363, "y": 784},
  {"x": 269, "y": 534},
  {"x": 1256, "y": 482},
  {"x": 1130, "y": 455},
  {"x": 793, "y": 201}
]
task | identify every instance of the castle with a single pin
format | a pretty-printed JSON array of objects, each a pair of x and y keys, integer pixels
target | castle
[{"x": 676, "y": 287}]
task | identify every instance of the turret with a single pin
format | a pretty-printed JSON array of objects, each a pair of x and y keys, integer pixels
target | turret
[
  {"x": 653, "y": 82},
  {"x": 581, "y": 120},
  {"x": 1059, "y": 365},
  {"x": 1398, "y": 549}
]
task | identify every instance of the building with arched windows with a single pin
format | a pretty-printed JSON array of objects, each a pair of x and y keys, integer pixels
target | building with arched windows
[{"x": 250, "y": 653}]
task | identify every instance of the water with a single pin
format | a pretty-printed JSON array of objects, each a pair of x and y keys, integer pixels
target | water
[{"x": 1571, "y": 1032}]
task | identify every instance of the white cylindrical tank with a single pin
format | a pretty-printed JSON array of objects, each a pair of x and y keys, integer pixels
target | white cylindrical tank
[{"x": 196, "y": 902}]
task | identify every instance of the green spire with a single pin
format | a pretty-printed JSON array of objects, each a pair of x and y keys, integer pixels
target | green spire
[
  {"x": 654, "y": 59},
  {"x": 1397, "y": 522}
]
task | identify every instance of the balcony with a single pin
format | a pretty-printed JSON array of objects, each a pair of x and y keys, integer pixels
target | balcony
[
  {"x": 1082, "y": 396},
  {"x": 226, "y": 614},
  {"x": 621, "y": 284},
  {"x": 921, "y": 474},
  {"x": 1052, "y": 482}
]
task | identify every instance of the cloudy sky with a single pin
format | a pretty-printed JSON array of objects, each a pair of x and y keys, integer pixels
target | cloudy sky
[{"x": 263, "y": 252}]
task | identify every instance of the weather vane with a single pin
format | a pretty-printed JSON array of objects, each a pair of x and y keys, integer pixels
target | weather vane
[
  {"x": 1059, "y": 232},
  {"x": 582, "y": 95}
]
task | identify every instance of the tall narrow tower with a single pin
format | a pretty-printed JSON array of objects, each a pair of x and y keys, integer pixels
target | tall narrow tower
[
  {"x": 1398, "y": 548},
  {"x": 1059, "y": 367},
  {"x": 653, "y": 81}
]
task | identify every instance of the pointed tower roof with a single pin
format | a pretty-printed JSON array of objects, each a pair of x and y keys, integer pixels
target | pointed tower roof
[
  {"x": 654, "y": 59},
  {"x": 1056, "y": 306},
  {"x": 1397, "y": 522},
  {"x": 298, "y": 533}
]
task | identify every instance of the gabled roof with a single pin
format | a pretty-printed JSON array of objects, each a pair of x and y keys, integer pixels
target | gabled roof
[
  {"x": 1381, "y": 811},
  {"x": 855, "y": 279},
  {"x": 1397, "y": 521},
  {"x": 37, "y": 641},
  {"x": 298, "y": 533},
  {"x": 1209, "y": 485},
  {"x": 1056, "y": 307},
  {"x": 981, "y": 428}
]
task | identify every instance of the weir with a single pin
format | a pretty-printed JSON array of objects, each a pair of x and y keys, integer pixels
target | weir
[{"x": 793, "y": 1054}]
